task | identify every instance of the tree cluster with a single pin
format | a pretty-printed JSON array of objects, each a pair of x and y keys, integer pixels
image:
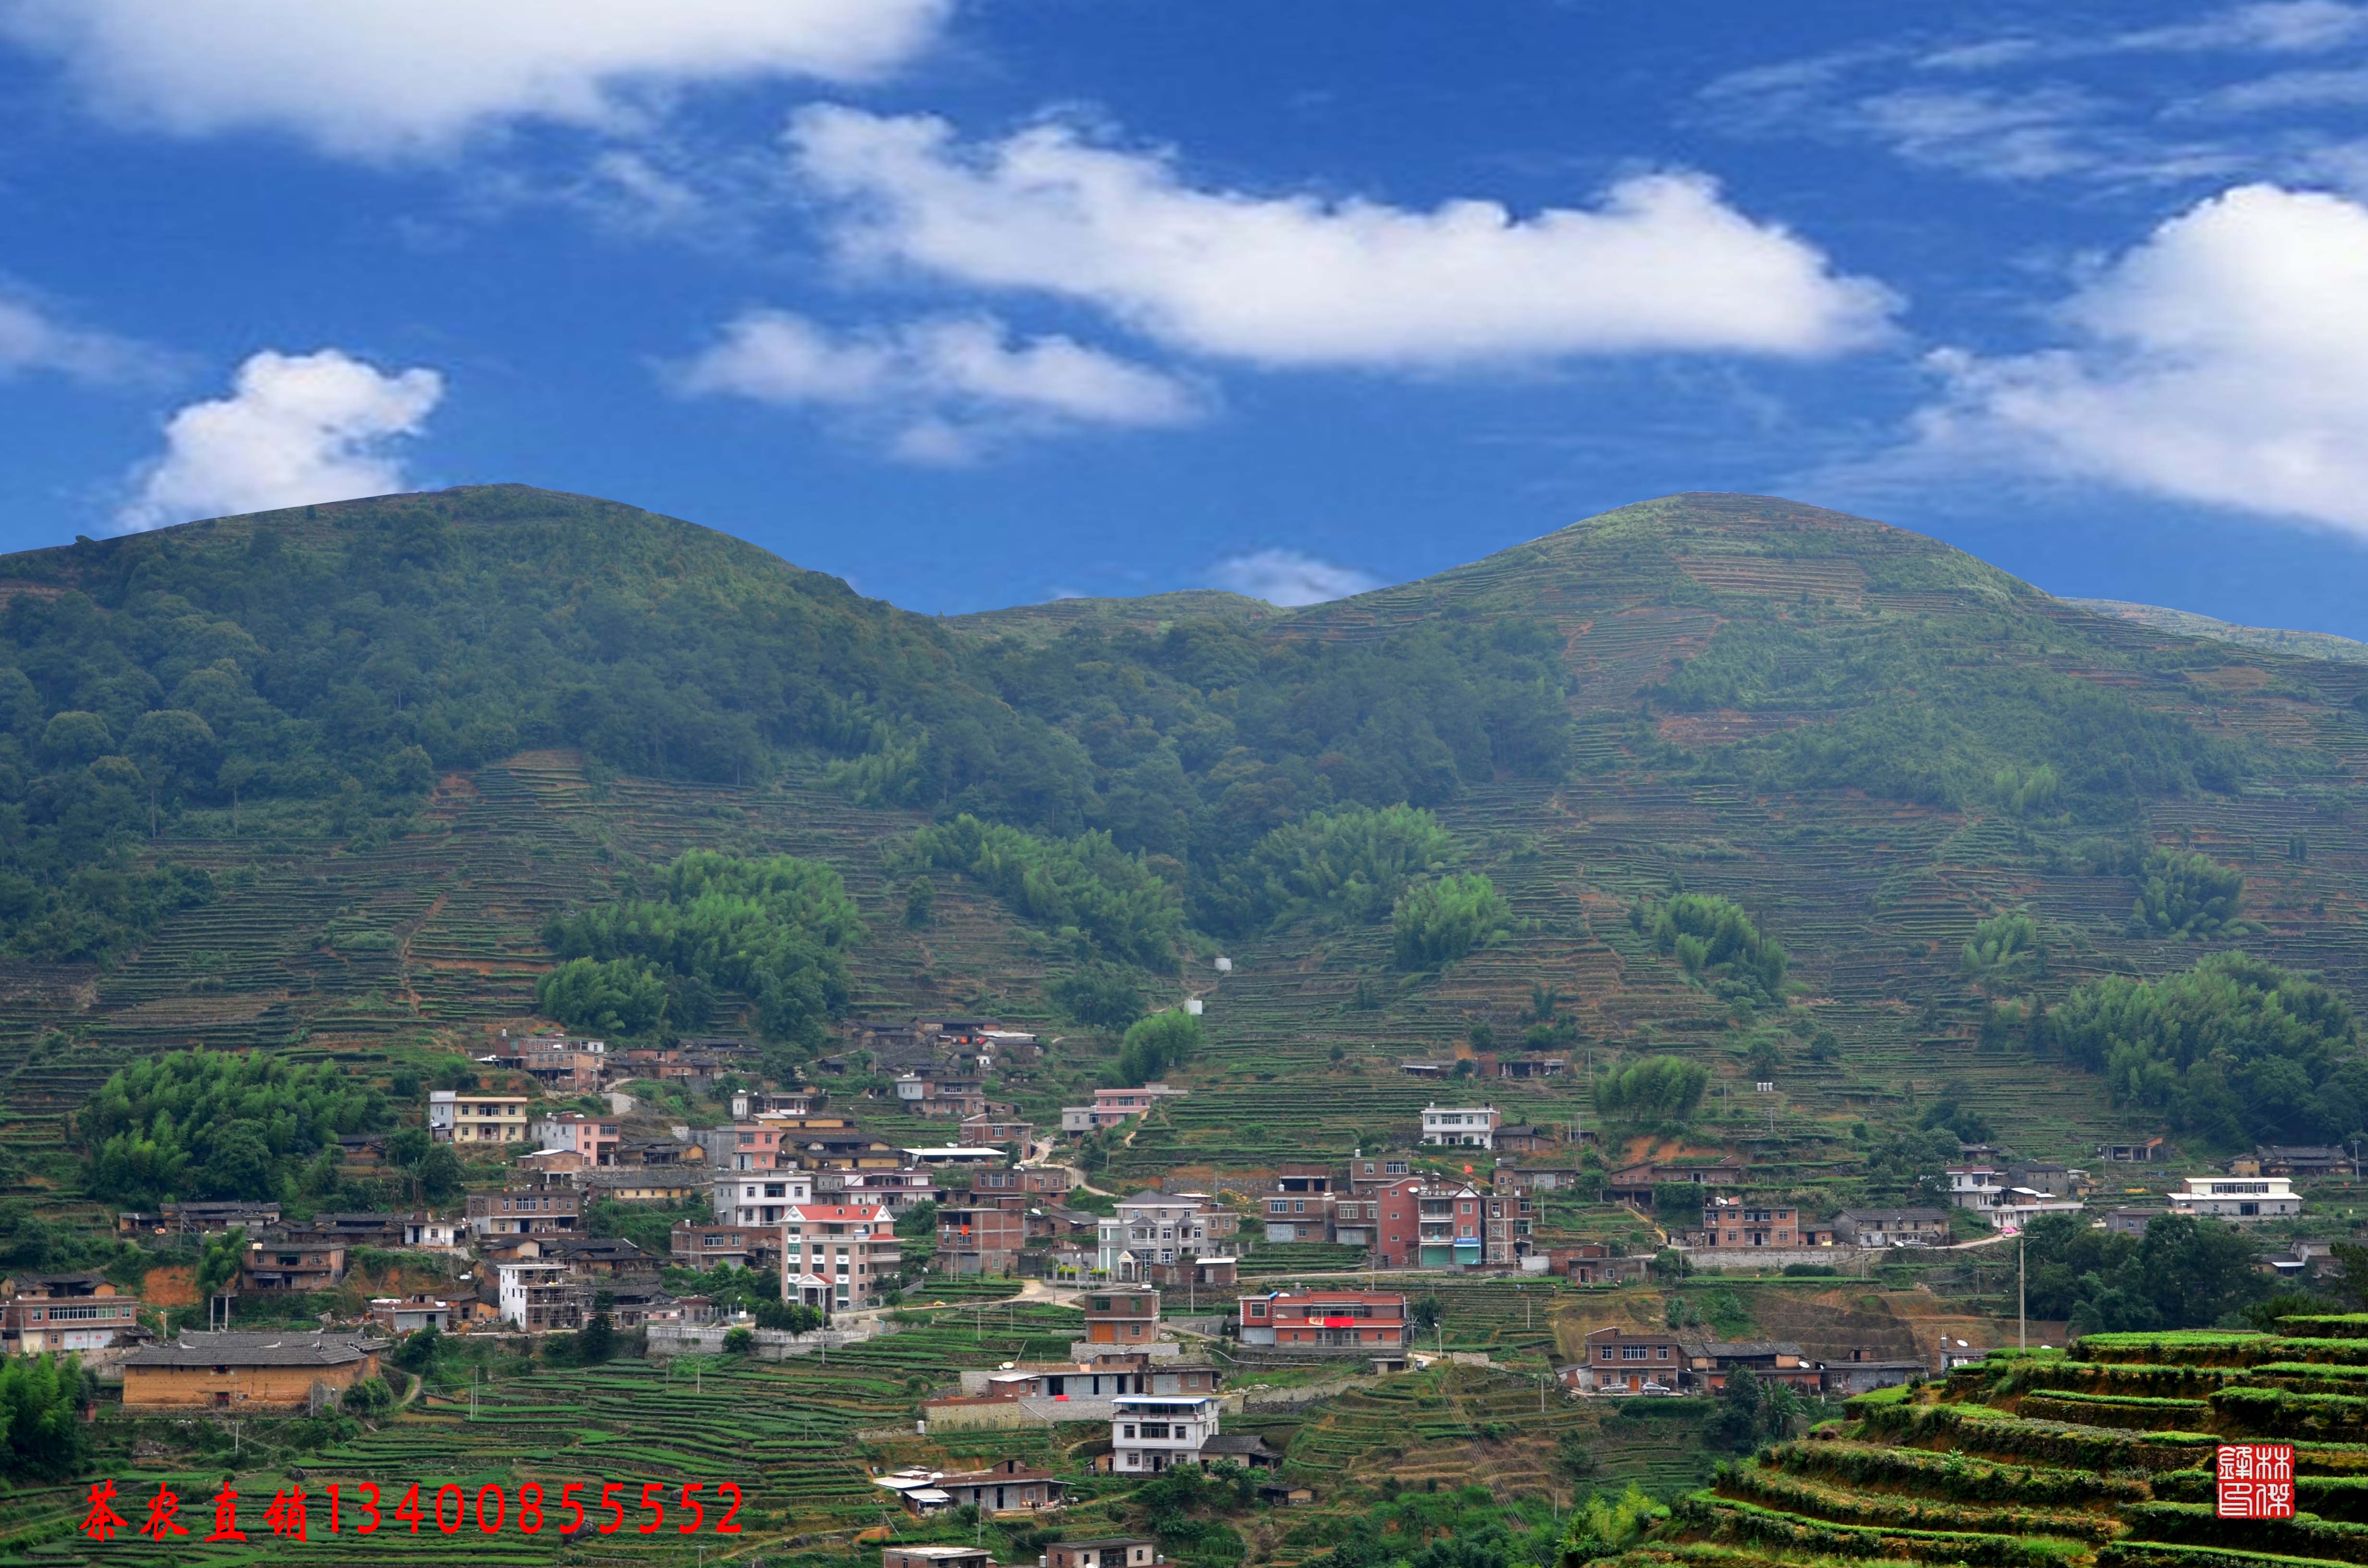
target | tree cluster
[
  {"x": 42, "y": 1435},
  {"x": 1155, "y": 1046},
  {"x": 768, "y": 932},
  {"x": 206, "y": 1124},
  {"x": 2186, "y": 895},
  {"x": 1439, "y": 919},
  {"x": 1087, "y": 885},
  {"x": 1715, "y": 941},
  {"x": 2183, "y": 1273},
  {"x": 1348, "y": 863},
  {"x": 2235, "y": 1050},
  {"x": 1659, "y": 1088}
]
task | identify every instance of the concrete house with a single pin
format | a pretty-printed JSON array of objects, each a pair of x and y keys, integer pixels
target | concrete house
[
  {"x": 2240, "y": 1201},
  {"x": 454, "y": 1118},
  {"x": 1892, "y": 1227},
  {"x": 1326, "y": 1323},
  {"x": 1463, "y": 1127},
  {"x": 1152, "y": 1433},
  {"x": 48, "y": 1312}
]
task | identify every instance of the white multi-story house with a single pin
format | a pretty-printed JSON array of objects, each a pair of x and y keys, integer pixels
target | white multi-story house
[
  {"x": 1976, "y": 1186},
  {"x": 758, "y": 1197},
  {"x": 1152, "y": 1431},
  {"x": 520, "y": 1283},
  {"x": 1153, "y": 1228},
  {"x": 839, "y": 1256},
  {"x": 2239, "y": 1199},
  {"x": 1464, "y": 1127},
  {"x": 2016, "y": 1207},
  {"x": 454, "y": 1118}
]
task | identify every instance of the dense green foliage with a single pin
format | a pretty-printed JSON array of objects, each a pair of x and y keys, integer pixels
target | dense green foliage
[
  {"x": 2183, "y": 1273},
  {"x": 41, "y": 1432},
  {"x": 203, "y": 1124},
  {"x": 2007, "y": 952},
  {"x": 1751, "y": 1412},
  {"x": 772, "y": 932},
  {"x": 2186, "y": 895},
  {"x": 1908, "y": 1165},
  {"x": 1468, "y": 1527},
  {"x": 1716, "y": 942},
  {"x": 2235, "y": 1049},
  {"x": 1351, "y": 862},
  {"x": 1103, "y": 995},
  {"x": 1156, "y": 1045},
  {"x": 1439, "y": 919},
  {"x": 324, "y": 664},
  {"x": 1086, "y": 885},
  {"x": 2014, "y": 734},
  {"x": 1659, "y": 1088},
  {"x": 616, "y": 996}
]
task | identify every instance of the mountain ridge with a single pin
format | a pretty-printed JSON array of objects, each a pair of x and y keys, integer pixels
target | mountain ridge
[{"x": 472, "y": 709}]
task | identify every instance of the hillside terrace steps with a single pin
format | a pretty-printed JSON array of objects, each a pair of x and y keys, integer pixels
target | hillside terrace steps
[{"x": 1986, "y": 1467}]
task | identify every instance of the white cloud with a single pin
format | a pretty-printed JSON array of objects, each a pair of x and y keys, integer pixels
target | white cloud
[
  {"x": 1287, "y": 578},
  {"x": 2224, "y": 360},
  {"x": 296, "y": 429},
  {"x": 2281, "y": 26},
  {"x": 379, "y": 77},
  {"x": 1661, "y": 264},
  {"x": 943, "y": 390},
  {"x": 32, "y": 339}
]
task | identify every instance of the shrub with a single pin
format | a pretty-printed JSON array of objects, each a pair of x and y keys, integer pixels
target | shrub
[{"x": 739, "y": 1341}]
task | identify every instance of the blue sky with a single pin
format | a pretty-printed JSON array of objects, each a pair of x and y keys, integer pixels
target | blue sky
[{"x": 981, "y": 301}]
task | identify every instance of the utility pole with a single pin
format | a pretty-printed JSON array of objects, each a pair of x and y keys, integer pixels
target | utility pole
[{"x": 2021, "y": 1298}]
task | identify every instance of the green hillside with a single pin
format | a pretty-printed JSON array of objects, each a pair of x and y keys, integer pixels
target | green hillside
[{"x": 321, "y": 779}]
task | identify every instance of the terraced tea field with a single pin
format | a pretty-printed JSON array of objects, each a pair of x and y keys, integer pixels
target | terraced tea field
[
  {"x": 788, "y": 1434},
  {"x": 2102, "y": 1454}
]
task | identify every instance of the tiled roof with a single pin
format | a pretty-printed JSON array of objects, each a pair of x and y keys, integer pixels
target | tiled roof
[{"x": 286, "y": 1349}]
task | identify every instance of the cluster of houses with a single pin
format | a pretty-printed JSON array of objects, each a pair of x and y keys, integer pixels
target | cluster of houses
[
  {"x": 1616, "y": 1361},
  {"x": 1165, "y": 1405}
]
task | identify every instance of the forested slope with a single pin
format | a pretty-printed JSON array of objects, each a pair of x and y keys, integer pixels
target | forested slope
[{"x": 325, "y": 777}]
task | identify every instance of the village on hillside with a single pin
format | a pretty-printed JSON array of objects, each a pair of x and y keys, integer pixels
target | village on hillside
[{"x": 882, "y": 1193}]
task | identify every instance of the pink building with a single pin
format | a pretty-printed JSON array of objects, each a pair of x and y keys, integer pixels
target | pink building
[{"x": 595, "y": 1139}]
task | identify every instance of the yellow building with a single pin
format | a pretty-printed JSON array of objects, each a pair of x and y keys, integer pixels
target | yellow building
[
  {"x": 454, "y": 1118},
  {"x": 283, "y": 1370}
]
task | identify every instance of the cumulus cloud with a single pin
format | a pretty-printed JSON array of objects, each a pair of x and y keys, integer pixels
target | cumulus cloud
[
  {"x": 32, "y": 339},
  {"x": 296, "y": 429},
  {"x": 1660, "y": 264},
  {"x": 942, "y": 389},
  {"x": 379, "y": 77},
  {"x": 1289, "y": 578},
  {"x": 2222, "y": 360}
]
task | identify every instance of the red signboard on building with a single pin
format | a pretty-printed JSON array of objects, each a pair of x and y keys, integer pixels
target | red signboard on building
[
  {"x": 1337, "y": 1323},
  {"x": 2255, "y": 1481}
]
